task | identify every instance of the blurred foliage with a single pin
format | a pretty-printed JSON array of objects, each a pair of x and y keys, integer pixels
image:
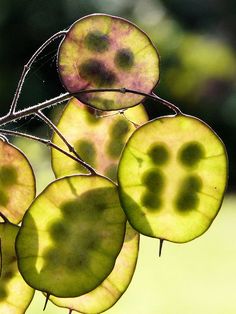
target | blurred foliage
[
  {"x": 196, "y": 40},
  {"x": 215, "y": 16},
  {"x": 39, "y": 158}
]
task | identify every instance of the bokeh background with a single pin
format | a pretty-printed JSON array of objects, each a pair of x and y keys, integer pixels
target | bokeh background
[{"x": 196, "y": 40}]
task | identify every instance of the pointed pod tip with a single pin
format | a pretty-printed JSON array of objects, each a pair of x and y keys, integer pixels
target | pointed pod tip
[
  {"x": 46, "y": 301},
  {"x": 160, "y": 246}
]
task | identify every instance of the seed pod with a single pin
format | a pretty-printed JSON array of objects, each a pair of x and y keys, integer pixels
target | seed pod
[
  {"x": 15, "y": 294},
  {"x": 113, "y": 287},
  {"x": 98, "y": 140},
  {"x": 172, "y": 177},
  {"x": 71, "y": 235},
  {"x": 17, "y": 183},
  {"x": 103, "y": 51}
]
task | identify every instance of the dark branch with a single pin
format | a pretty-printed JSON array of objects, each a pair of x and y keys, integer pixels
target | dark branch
[
  {"x": 70, "y": 147},
  {"x": 48, "y": 143},
  {"x": 27, "y": 68},
  {"x": 34, "y": 109}
]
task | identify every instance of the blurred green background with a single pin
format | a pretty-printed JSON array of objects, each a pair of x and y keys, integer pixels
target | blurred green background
[{"x": 196, "y": 40}]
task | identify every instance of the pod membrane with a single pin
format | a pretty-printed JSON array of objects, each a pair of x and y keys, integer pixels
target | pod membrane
[
  {"x": 104, "y": 51},
  {"x": 71, "y": 235},
  {"x": 172, "y": 177}
]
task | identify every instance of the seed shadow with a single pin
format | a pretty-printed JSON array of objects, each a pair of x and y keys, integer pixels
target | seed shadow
[
  {"x": 87, "y": 239},
  {"x": 136, "y": 217}
]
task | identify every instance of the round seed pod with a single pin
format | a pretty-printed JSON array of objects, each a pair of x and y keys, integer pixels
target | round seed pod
[
  {"x": 172, "y": 177},
  {"x": 71, "y": 235},
  {"x": 15, "y": 294},
  {"x": 17, "y": 183},
  {"x": 98, "y": 140},
  {"x": 104, "y": 51},
  {"x": 113, "y": 287}
]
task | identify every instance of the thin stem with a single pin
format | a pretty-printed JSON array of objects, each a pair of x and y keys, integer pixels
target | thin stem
[
  {"x": 97, "y": 115},
  {"x": 168, "y": 104},
  {"x": 33, "y": 109},
  {"x": 134, "y": 124},
  {"x": 54, "y": 128},
  {"x": 46, "y": 142},
  {"x": 132, "y": 91},
  {"x": 59, "y": 99},
  {"x": 70, "y": 147},
  {"x": 27, "y": 67}
]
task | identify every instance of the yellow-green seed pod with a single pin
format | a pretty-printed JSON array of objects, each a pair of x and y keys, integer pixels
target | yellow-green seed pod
[
  {"x": 112, "y": 288},
  {"x": 15, "y": 294},
  {"x": 98, "y": 140},
  {"x": 17, "y": 183},
  {"x": 71, "y": 235},
  {"x": 172, "y": 177}
]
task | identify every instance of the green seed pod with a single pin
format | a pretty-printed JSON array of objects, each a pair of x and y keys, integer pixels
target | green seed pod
[
  {"x": 112, "y": 288},
  {"x": 172, "y": 177},
  {"x": 15, "y": 294},
  {"x": 98, "y": 140},
  {"x": 71, "y": 235},
  {"x": 17, "y": 183}
]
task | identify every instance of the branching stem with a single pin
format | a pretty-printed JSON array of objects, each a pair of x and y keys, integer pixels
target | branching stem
[
  {"x": 131, "y": 91},
  {"x": 136, "y": 125},
  {"x": 33, "y": 109},
  {"x": 167, "y": 104},
  {"x": 48, "y": 143},
  {"x": 27, "y": 67},
  {"x": 66, "y": 96},
  {"x": 70, "y": 147},
  {"x": 36, "y": 110}
]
